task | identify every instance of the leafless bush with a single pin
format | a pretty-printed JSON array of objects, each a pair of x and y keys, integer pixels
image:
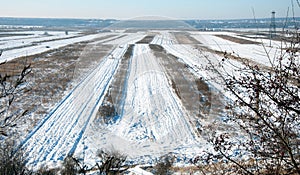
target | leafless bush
[
  {"x": 110, "y": 162},
  {"x": 11, "y": 162},
  {"x": 10, "y": 87},
  {"x": 70, "y": 166},
  {"x": 266, "y": 107},
  {"x": 163, "y": 167},
  {"x": 45, "y": 170}
]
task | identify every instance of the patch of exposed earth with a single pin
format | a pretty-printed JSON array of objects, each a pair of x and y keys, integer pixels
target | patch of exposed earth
[
  {"x": 237, "y": 40},
  {"x": 185, "y": 38}
]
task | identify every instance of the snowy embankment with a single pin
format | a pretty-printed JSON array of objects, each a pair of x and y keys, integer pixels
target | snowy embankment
[{"x": 59, "y": 133}]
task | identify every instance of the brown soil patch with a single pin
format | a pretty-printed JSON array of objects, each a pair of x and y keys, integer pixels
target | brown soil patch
[
  {"x": 205, "y": 96},
  {"x": 237, "y": 40},
  {"x": 128, "y": 52},
  {"x": 89, "y": 59},
  {"x": 146, "y": 40},
  {"x": 185, "y": 38}
]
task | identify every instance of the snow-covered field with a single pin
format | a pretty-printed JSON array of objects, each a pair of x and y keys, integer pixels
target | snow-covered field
[
  {"x": 38, "y": 42},
  {"x": 255, "y": 52},
  {"x": 60, "y": 132},
  {"x": 153, "y": 120}
]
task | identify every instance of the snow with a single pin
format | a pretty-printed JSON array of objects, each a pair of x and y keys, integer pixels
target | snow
[
  {"x": 153, "y": 121},
  {"x": 164, "y": 38},
  {"x": 60, "y": 132},
  {"x": 130, "y": 38},
  {"x": 32, "y": 37},
  {"x": 200, "y": 61},
  {"x": 149, "y": 96},
  {"x": 138, "y": 171},
  {"x": 260, "y": 53},
  {"x": 19, "y": 47}
]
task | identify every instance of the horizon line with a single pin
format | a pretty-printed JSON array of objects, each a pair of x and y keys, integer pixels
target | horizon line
[{"x": 140, "y": 18}]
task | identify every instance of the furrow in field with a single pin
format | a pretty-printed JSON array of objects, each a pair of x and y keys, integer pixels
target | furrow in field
[
  {"x": 60, "y": 132},
  {"x": 152, "y": 111}
]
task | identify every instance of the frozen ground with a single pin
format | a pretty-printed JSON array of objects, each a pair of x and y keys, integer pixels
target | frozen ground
[
  {"x": 255, "y": 52},
  {"x": 59, "y": 133},
  {"x": 38, "y": 42},
  {"x": 153, "y": 120}
]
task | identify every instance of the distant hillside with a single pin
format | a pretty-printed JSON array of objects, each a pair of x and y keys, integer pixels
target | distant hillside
[
  {"x": 151, "y": 24},
  {"x": 148, "y": 24},
  {"x": 244, "y": 23},
  {"x": 55, "y": 22}
]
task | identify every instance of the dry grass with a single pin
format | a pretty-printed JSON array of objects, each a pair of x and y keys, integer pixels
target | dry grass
[
  {"x": 237, "y": 40},
  {"x": 110, "y": 105},
  {"x": 146, "y": 40},
  {"x": 128, "y": 52},
  {"x": 194, "y": 93},
  {"x": 53, "y": 73},
  {"x": 185, "y": 38}
]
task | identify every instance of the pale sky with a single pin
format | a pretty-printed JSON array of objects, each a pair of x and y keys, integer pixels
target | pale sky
[{"x": 127, "y": 9}]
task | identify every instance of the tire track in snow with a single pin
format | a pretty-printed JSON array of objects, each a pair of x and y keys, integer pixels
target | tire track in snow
[
  {"x": 152, "y": 111},
  {"x": 60, "y": 132}
]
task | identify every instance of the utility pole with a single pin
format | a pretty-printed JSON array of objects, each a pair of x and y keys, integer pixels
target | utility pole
[{"x": 272, "y": 27}]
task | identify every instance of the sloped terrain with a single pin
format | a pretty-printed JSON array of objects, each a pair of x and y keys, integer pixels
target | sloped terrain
[{"x": 143, "y": 94}]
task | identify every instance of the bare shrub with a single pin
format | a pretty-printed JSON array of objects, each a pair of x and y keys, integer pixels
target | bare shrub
[
  {"x": 10, "y": 87},
  {"x": 70, "y": 166},
  {"x": 11, "y": 162},
  {"x": 44, "y": 170},
  {"x": 265, "y": 106},
  {"x": 163, "y": 167},
  {"x": 110, "y": 162}
]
